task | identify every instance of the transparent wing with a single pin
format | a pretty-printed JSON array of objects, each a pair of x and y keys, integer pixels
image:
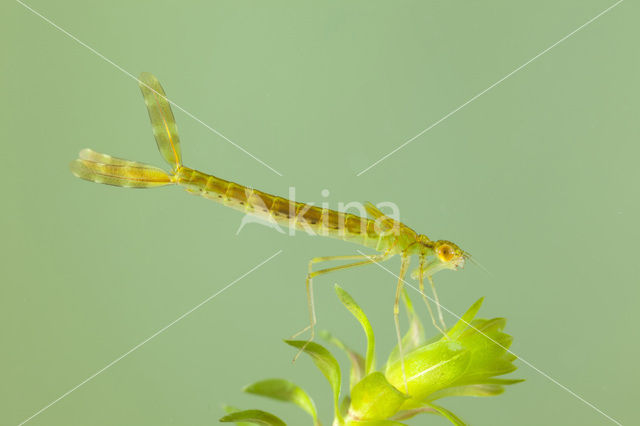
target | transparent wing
[{"x": 163, "y": 123}]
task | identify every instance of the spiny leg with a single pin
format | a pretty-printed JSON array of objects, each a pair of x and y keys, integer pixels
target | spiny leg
[
  {"x": 435, "y": 296},
  {"x": 311, "y": 274},
  {"x": 396, "y": 311},
  {"x": 426, "y": 299}
]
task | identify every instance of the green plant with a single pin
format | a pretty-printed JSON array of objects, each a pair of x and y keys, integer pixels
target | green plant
[{"x": 466, "y": 362}]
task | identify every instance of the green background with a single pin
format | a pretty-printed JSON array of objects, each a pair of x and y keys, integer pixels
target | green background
[{"x": 538, "y": 178}]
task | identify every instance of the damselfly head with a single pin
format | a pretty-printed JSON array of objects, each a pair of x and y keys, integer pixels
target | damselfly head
[
  {"x": 450, "y": 255},
  {"x": 446, "y": 255}
]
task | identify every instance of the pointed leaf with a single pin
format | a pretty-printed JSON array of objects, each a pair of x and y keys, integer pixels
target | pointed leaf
[
  {"x": 344, "y": 406},
  {"x": 447, "y": 414},
  {"x": 327, "y": 364},
  {"x": 465, "y": 320},
  {"x": 284, "y": 390},
  {"x": 503, "y": 382},
  {"x": 256, "y": 417},
  {"x": 484, "y": 326},
  {"x": 467, "y": 390},
  {"x": 407, "y": 414},
  {"x": 374, "y": 398},
  {"x": 356, "y": 373},
  {"x": 357, "y": 312},
  {"x": 489, "y": 348},
  {"x": 230, "y": 409}
]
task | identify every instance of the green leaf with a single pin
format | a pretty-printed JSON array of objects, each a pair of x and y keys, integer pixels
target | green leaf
[
  {"x": 407, "y": 414},
  {"x": 467, "y": 390},
  {"x": 230, "y": 409},
  {"x": 428, "y": 369},
  {"x": 356, "y": 373},
  {"x": 465, "y": 320},
  {"x": 344, "y": 406},
  {"x": 493, "y": 381},
  {"x": 447, "y": 414},
  {"x": 484, "y": 326},
  {"x": 488, "y": 345},
  {"x": 415, "y": 335},
  {"x": 374, "y": 398},
  {"x": 356, "y": 311},
  {"x": 284, "y": 390},
  {"x": 374, "y": 423},
  {"x": 256, "y": 417},
  {"x": 327, "y": 364}
]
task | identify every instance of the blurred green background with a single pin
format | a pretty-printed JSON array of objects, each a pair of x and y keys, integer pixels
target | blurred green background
[{"x": 538, "y": 178}]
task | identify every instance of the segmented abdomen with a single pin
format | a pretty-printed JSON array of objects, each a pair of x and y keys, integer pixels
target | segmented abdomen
[{"x": 324, "y": 222}]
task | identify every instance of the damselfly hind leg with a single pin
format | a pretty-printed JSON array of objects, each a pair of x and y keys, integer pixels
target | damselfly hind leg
[
  {"x": 309, "y": 282},
  {"x": 396, "y": 311}
]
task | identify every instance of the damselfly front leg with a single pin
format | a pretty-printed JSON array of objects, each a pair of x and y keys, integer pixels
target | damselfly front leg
[{"x": 421, "y": 274}]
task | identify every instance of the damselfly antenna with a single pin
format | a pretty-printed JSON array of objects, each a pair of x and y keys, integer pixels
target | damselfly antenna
[{"x": 478, "y": 264}]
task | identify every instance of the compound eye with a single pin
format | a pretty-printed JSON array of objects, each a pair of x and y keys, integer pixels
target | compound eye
[{"x": 445, "y": 253}]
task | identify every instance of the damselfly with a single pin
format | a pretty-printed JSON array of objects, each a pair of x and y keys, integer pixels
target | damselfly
[{"x": 389, "y": 237}]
